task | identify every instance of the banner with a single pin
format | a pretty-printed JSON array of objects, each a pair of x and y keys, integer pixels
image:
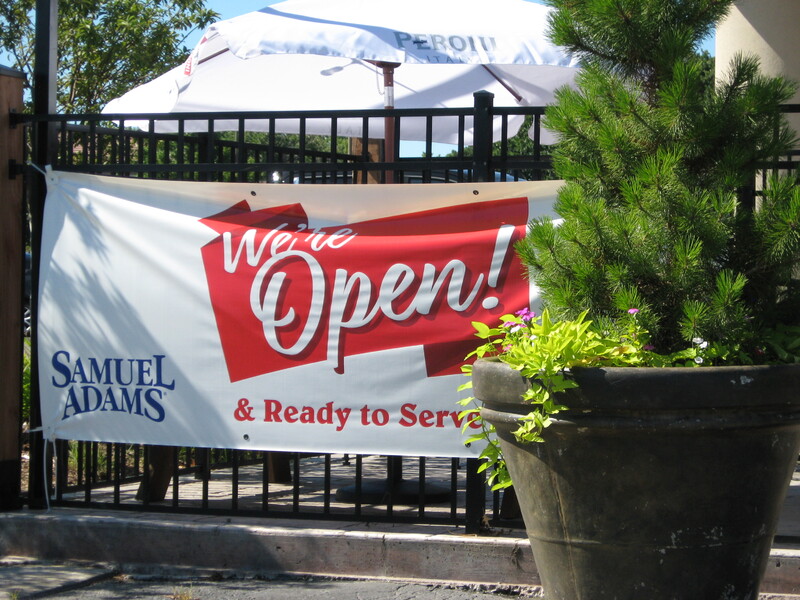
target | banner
[{"x": 272, "y": 317}]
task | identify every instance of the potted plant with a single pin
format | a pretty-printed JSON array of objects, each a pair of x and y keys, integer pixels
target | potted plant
[{"x": 661, "y": 480}]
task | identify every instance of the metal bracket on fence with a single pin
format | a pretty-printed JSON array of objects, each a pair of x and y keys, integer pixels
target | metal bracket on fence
[
  {"x": 15, "y": 118},
  {"x": 15, "y": 168}
]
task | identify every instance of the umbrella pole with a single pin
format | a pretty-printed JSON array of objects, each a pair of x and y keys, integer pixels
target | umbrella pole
[{"x": 388, "y": 122}]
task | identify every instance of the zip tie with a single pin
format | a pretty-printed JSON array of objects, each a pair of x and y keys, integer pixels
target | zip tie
[
  {"x": 30, "y": 163},
  {"x": 45, "y": 478}
]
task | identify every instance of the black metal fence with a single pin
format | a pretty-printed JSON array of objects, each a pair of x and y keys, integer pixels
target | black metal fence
[
  {"x": 223, "y": 481},
  {"x": 106, "y": 144},
  {"x": 270, "y": 484}
]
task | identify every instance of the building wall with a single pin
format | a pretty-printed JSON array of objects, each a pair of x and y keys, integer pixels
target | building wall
[{"x": 768, "y": 29}]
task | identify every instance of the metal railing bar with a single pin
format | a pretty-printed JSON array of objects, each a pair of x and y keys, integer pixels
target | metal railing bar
[
  {"x": 240, "y": 148},
  {"x": 209, "y": 149},
  {"x": 295, "y": 482},
  {"x": 421, "y": 488},
  {"x": 373, "y": 113},
  {"x": 401, "y": 165},
  {"x": 181, "y": 141},
  {"x": 327, "y": 485},
  {"x": 358, "y": 484},
  {"x": 206, "y": 475},
  {"x": 61, "y": 468},
  {"x": 264, "y": 482},
  {"x": 176, "y": 476},
  {"x": 119, "y": 458},
  {"x": 334, "y": 140},
  {"x": 234, "y": 479},
  {"x": 391, "y": 477},
  {"x": 454, "y": 463}
]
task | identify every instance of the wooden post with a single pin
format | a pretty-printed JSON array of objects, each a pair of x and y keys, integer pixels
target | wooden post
[
  {"x": 374, "y": 154},
  {"x": 11, "y": 305},
  {"x": 160, "y": 466},
  {"x": 278, "y": 470}
]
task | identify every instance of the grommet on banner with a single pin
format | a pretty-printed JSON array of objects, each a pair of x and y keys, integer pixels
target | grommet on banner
[
  {"x": 51, "y": 175},
  {"x": 47, "y": 172}
]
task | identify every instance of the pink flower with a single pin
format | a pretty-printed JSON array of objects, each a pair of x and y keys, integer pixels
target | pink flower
[
  {"x": 633, "y": 311},
  {"x": 525, "y": 314}
]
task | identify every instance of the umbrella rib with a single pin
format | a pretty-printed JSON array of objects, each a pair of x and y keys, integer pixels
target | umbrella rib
[
  {"x": 511, "y": 90},
  {"x": 216, "y": 54}
]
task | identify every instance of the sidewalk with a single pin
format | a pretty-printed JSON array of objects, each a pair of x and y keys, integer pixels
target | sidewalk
[
  {"x": 24, "y": 578},
  {"x": 131, "y": 543}
]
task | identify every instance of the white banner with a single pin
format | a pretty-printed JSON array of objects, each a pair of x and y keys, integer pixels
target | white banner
[{"x": 272, "y": 317}]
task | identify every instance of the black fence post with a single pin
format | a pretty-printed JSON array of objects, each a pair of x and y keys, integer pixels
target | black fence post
[
  {"x": 475, "y": 497},
  {"x": 44, "y": 103},
  {"x": 482, "y": 136},
  {"x": 747, "y": 198}
]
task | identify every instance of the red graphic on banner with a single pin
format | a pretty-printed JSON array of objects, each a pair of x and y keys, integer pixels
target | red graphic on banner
[{"x": 285, "y": 294}]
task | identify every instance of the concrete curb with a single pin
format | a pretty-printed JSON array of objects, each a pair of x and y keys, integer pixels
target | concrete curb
[
  {"x": 239, "y": 545},
  {"x": 304, "y": 548}
]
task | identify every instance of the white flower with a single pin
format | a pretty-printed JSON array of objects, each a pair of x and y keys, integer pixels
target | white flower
[
  {"x": 697, "y": 340},
  {"x": 698, "y": 360}
]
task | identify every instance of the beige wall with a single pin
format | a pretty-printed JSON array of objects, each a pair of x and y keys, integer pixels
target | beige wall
[{"x": 770, "y": 29}]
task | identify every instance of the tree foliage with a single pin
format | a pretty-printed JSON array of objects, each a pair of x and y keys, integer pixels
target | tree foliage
[
  {"x": 655, "y": 162},
  {"x": 105, "y": 48}
]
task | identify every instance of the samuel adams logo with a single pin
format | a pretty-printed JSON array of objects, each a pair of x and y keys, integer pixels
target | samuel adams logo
[
  {"x": 135, "y": 386},
  {"x": 286, "y": 294}
]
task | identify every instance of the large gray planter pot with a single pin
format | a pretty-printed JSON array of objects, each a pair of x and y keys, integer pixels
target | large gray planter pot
[{"x": 657, "y": 483}]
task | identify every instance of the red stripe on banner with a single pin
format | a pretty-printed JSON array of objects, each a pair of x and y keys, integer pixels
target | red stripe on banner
[{"x": 286, "y": 295}]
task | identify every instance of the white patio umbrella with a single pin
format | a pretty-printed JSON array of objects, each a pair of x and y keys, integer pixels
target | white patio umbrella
[{"x": 340, "y": 54}]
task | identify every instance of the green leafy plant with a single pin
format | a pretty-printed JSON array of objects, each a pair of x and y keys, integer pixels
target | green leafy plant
[{"x": 545, "y": 351}]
